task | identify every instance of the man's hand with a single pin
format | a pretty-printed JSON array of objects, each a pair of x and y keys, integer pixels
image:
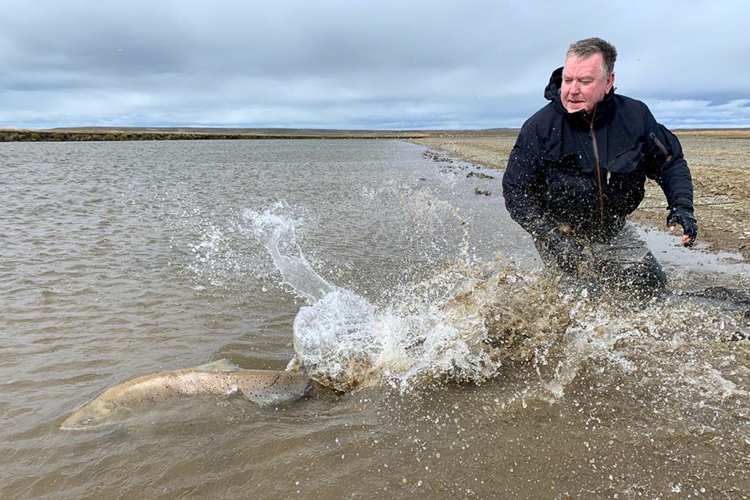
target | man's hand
[{"x": 684, "y": 217}]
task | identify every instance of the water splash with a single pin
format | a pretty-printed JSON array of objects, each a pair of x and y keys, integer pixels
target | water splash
[
  {"x": 472, "y": 322},
  {"x": 276, "y": 231},
  {"x": 344, "y": 341}
]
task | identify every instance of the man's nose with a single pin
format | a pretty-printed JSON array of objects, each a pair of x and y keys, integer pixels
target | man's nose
[{"x": 574, "y": 87}]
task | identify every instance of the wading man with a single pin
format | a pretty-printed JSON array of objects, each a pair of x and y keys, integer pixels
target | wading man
[{"x": 579, "y": 167}]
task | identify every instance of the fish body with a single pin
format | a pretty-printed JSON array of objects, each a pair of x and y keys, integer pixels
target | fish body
[{"x": 263, "y": 387}]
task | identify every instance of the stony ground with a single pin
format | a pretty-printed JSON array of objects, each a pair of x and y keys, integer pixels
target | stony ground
[{"x": 718, "y": 160}]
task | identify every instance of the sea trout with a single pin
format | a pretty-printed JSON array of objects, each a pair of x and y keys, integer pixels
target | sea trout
[{"x": 264, "y": 387}]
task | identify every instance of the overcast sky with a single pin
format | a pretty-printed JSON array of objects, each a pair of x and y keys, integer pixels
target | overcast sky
[{"x": 357, "y": 63}]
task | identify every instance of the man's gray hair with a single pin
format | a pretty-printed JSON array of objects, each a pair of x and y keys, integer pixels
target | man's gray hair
[{"x": 590, "y": 46}]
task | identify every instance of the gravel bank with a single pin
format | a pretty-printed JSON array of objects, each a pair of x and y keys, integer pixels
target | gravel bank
[{"x": 718, "y": 160}]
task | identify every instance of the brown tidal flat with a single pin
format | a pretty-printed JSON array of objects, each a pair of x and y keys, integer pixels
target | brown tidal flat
[{"x": 719, "y": 161}]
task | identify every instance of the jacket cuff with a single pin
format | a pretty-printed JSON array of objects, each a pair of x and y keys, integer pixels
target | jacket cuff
[{"x": 682, "y": 203}]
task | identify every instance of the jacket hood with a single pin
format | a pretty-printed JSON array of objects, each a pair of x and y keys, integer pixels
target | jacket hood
[
  {"x": 552, "y": 93},
  {"x": 552, "y": 90}
]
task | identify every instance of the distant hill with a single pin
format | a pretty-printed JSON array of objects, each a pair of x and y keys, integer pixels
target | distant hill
[{"x": 214, "y": 133}]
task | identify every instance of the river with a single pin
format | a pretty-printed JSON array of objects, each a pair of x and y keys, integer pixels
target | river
[{"x": 464, "y": 371}]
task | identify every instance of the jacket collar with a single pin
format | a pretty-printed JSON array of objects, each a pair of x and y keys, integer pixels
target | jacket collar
[{"x": 604, "y": 109}]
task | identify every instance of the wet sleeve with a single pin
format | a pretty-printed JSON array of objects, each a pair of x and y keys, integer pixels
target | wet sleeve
[
  {"x": 523, "y": 184},
  {"x": 666, "y": 164}
]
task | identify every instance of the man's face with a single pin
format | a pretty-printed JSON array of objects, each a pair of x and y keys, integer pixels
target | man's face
[{"x": 583, "y": 83}]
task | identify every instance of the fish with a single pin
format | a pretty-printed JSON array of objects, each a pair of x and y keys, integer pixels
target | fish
[{"x": 264, "y": 387}]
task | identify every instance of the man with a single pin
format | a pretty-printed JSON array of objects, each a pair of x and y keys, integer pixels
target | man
[{"x": 579, "y": 167}]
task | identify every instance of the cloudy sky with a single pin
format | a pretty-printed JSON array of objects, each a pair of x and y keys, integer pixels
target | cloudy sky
[{"x": 381, "y": 64}]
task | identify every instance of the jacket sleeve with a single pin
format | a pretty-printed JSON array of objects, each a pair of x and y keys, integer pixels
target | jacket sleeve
[
  {"x": 523, "y": 184},
  {"x": 666, "y": 164}
]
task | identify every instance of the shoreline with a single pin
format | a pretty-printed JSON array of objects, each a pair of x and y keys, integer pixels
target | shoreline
[
  {"x": 87, "y": 135},
  {"x": 719, "y": 162},
  {"x": 77, "y": 134}
]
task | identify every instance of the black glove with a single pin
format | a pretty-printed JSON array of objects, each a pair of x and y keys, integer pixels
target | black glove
[
  {"x": 683, "y": 216},
  {"x": 566, "y": 252}
]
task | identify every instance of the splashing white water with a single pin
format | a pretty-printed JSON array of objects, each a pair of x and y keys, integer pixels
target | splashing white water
[
  {"x": 467, "y": 323},
  {"x": 343, "y": 340},
  {"x": 277, "y": 233}
]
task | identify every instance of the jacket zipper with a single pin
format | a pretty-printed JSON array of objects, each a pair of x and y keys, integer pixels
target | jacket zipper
[
  {"x": 661, "y": 146},
  {"x": 598, "y": 170}
]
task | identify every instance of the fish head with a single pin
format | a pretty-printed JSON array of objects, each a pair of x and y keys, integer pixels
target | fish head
[{"x": 92, "y": 415}]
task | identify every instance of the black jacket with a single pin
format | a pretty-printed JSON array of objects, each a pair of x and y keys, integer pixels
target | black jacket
[{"x": 552, "y": 179}]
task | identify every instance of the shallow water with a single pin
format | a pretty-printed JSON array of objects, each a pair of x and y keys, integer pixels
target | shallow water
[{"x": 121, "y": 259}]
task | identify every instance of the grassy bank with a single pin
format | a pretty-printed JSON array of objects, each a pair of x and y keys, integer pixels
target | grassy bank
[{"x": 95, "y": 134}]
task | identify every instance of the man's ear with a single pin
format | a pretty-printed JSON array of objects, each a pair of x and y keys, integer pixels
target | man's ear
[{"x": 610, "y": 82}]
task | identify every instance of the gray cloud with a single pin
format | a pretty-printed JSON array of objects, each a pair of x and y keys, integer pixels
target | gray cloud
[{"x": 343, "y": 64}]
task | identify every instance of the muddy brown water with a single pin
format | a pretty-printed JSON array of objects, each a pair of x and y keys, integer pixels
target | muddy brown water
[{"x": 122, "y": 259}]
